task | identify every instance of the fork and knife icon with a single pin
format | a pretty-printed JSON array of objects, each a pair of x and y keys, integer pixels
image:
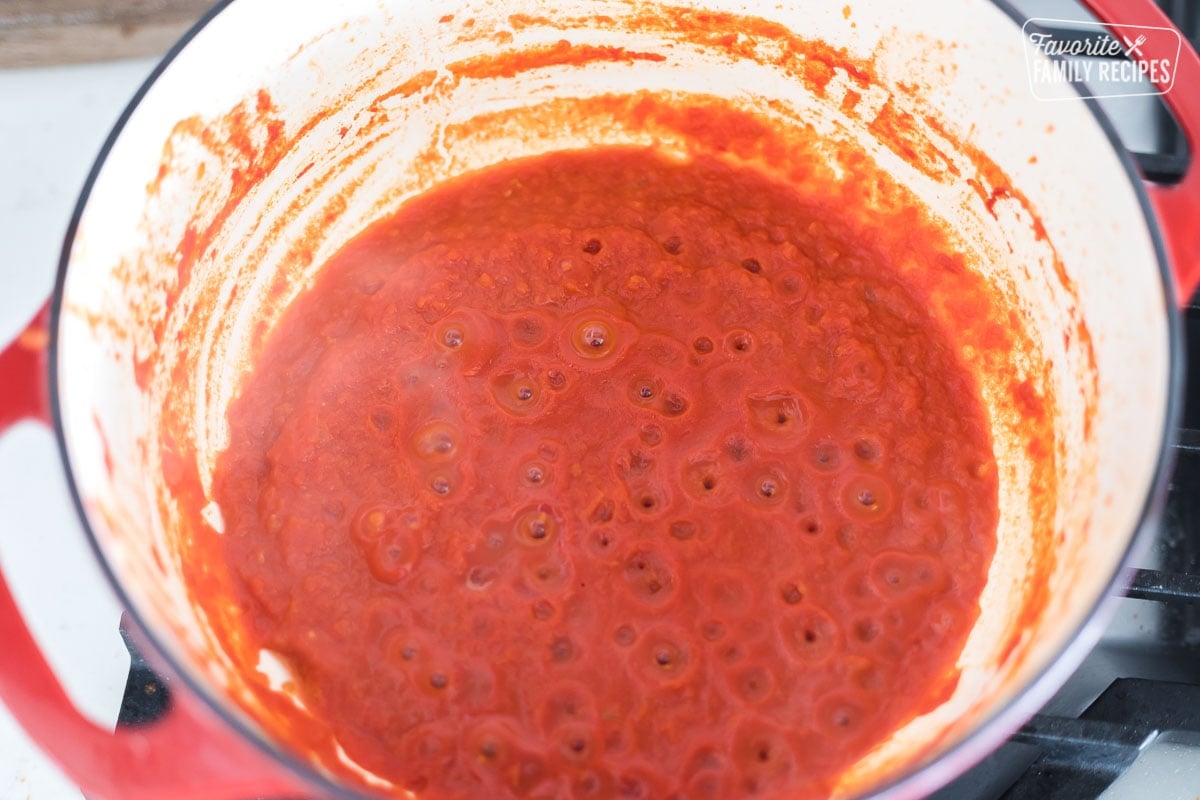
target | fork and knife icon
[{"x": 1133, "y": 48}]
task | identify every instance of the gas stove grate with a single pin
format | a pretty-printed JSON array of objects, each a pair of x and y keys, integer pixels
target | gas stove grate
[
  {"x": 1065, "y": 758},
  {"x": 1082, "y": 757}
]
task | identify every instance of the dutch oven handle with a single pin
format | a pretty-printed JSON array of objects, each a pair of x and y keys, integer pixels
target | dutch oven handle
[
  {"x": 188, "y": 754},
  {"x": 1177, "y": 206}
]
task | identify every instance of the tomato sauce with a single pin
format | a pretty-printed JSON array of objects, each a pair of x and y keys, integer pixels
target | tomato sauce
[{"x": 611, "y": 474}]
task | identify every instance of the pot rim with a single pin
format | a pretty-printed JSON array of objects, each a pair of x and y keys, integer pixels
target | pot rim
[{"x": 920, "y": 777}]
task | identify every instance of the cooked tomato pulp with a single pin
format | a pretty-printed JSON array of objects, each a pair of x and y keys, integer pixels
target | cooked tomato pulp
[{"x": 607, "y": 474}]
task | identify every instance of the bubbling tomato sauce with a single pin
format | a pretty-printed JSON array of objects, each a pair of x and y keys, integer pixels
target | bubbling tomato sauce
[{"x": 607, "y": 474}]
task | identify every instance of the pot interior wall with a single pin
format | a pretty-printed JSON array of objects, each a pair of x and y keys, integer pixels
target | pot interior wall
[{"x": 381, "y": 102}]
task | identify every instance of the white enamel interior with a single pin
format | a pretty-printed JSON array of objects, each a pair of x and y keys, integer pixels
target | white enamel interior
[{"x": 970, "y": 54}]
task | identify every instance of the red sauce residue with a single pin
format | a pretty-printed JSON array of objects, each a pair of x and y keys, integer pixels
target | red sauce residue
[
  {"x": 249, "y": 142},
  {"x": 850, "y": 100},
  {"x": 105, "y": 449},
  {"x": 522, "y": 21},
  {"x": 417, "y": 83},
  {"x": 603, "y": 470},
  {"x": 505, "y": 65},
  {"x": 898, "y": 130}
]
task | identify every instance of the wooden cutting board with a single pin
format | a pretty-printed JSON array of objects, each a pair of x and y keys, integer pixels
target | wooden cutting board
[{"x": 45, "y": 32}]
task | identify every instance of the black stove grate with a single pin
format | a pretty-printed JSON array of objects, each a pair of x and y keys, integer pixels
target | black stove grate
[
  {"x": 1082, "y": 757},
  {"x": 1065, "y": 757}
]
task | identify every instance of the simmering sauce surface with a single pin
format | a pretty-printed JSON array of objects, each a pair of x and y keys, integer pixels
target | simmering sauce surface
[{"x": 611, "y": 475}]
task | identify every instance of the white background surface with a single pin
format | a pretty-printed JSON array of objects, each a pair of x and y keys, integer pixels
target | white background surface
[{"x": 52, "y": 124}]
